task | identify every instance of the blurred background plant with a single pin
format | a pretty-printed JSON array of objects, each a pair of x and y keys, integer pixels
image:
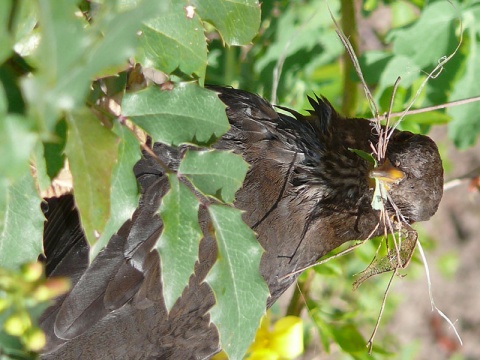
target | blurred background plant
[
  {"x": 55, "y": 68},
  {"x": 24, "y": 295}
]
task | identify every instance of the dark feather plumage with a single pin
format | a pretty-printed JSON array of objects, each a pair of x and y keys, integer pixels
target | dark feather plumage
[{"x": 305, "y": 194}]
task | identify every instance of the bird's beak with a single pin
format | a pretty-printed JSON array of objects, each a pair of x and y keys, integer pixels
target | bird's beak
[{"x": 387, "y": 173}]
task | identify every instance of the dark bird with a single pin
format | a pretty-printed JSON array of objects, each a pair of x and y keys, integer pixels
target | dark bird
[{"x": 305, "y": 194}]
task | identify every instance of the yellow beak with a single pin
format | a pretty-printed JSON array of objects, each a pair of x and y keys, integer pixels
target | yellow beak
[{"x": 387, "y": 173}]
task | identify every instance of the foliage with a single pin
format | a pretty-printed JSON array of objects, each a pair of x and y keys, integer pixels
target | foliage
[
  {"x": 60, "y": 65},
  {"x": 68, "y": 82},
  {"x": 24, "y": 294}
]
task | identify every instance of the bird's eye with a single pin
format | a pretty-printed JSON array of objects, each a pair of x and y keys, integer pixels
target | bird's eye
[{"x": 403, "y": 136}]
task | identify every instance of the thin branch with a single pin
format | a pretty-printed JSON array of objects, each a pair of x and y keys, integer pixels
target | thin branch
[
  {"x": 122, "y": 120},
  {"x": 382, "y": 308},
  {"x": 356, "y": 64},
  {"x": 461, "y": 179},
  {"x": 434, "y": 307},
  {"x": 341, "y": 253},
  {"x": 430, "y": 108}
]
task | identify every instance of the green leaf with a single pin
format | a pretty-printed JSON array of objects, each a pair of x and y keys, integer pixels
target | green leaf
[
  {"x": 72, "y": 52},
  {"x": 16, "y": 141},
  {"x": 214, "y": 173},
  {"x": 54, "y": 149},
  {"x": 6, "y": 41},
  {"x": 349, "y": 338},
  {"x": 124, "y": 190},
  {"x": 365, "y": 156},
  {"x": 236, "y": 20},
  {"x": 240, "y": 291},
  {"x": 92, "y": 152},
  {"x": 174, "y": 41},
  {"x": 465, "y": 125},
  {"x": 397, "y": 66},
  {"x": 21, "y": 221},
  {"x": 373, "y": 63},
  {"x": 403, "y": 13},
  {"x": 431, "y": 37},
  {"x": 448, "y": 264},
  {"x": 179, "y": 243},
  {"x": 415, "y": 122},
  {"x": 114, "y": 34},
  {"x": 16, "y": 145},
  {"x": 308, "y": 35},
  {"x": 186, "y": 114},
  {"x": 379, "y": 195}
]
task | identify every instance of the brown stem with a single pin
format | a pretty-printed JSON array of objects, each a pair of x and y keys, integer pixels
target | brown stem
[
  {"x": 461, "y": 179},
  {"x": 431, "y": 108}
]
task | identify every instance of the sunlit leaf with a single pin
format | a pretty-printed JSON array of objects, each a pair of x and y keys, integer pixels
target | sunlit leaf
[
  {"x": 215, "y": 173},
  {"x": 240, "y": 291},
  {"x": 237, "y": 20},
  {"x": 16, "y": 144},
  {"x": 124, "y": 191},
  {"x": 173, "y": 41},
  {"x": 179, "y": 243},
  {"x": 92, "y": 153},
  {"x": 350, "y": 339},
  {"x": 431, "y": 37},
  {"x": 365, "y": 156},
  {"x": 21, "y": 221},
  {"x": 186, "y": 114},
  {"x": 69, "y": 57},
  {"x": 6, "y": 41},
  {"x": 465, "y": 126}
]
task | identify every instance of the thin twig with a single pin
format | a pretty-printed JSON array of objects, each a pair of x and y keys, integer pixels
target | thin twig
[
  {"x": 356, "y": 64},
  {"x": 432, "y": 303},
  {"x": 382, "y": 308},
  {"x": 341, "y": 253},
  {"x": 122, "y": 120},
  {"x": 461, "y": 179},
  {"x": 430, "y": 108}
]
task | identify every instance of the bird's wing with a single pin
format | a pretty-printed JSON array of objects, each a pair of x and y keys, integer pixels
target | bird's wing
[{"x": 114, "y": 276}]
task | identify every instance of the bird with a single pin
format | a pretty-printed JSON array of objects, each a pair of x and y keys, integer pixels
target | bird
[{"x": 305, "y": 193}]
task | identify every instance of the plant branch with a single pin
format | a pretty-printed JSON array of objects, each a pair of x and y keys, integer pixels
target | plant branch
[
  {"x": 350, "y": 89},
  {"x": 461, "y": 179},
  {"x": 430, "y": 108},
  {"x": 297, "y": 302}
]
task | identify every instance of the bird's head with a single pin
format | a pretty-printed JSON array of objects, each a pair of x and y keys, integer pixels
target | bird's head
[
  {"x": 411, "y": 171},
  {"x": 413, "y": 174}
]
